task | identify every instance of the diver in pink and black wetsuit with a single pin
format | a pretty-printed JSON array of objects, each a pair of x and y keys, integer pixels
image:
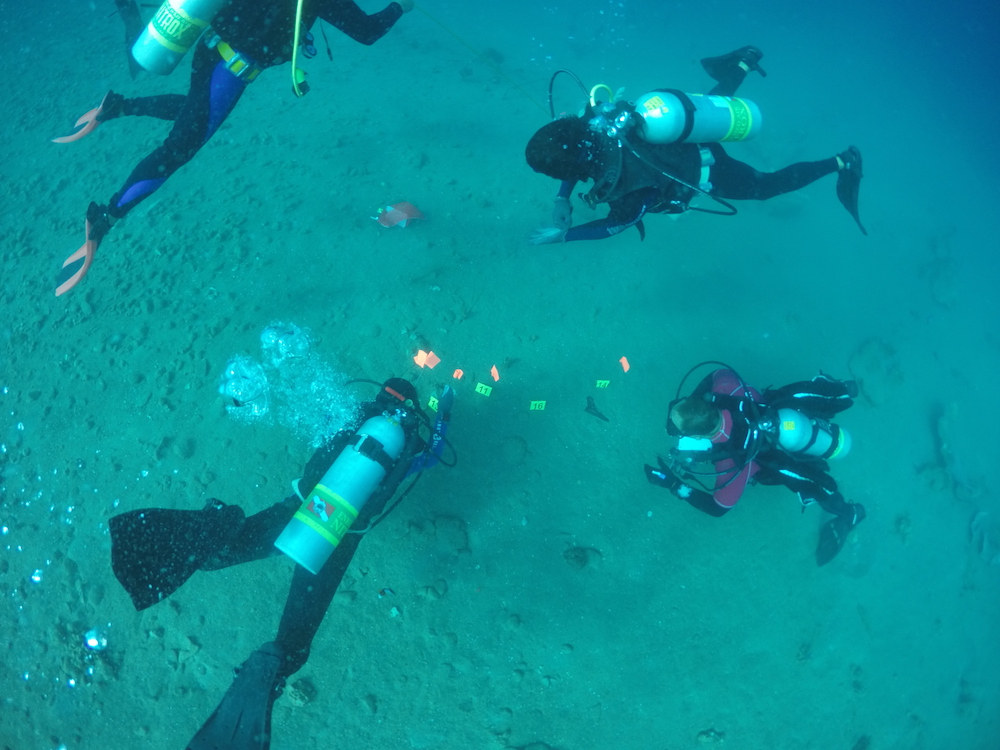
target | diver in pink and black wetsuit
[{"x": 780, "y": 436}]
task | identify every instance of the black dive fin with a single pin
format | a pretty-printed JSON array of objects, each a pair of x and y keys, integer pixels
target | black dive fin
[
  {"x": 242, "y": 720},
  {"x": 849, "y": 184},
  {"x": 730, "y": 69},
  {"x": 154, "y": 551},
  {"x": 832, "y": 536},
  {"x": 129, "y": 11}
]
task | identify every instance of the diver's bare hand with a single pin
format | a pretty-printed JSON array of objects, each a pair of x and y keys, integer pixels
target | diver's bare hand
[
  {"x": 562, "y": 213},
  {"x": 547, "y": 235}
]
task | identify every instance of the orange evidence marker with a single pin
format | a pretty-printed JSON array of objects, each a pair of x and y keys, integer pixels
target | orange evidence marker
[
  {"x": 426, "y": 359},
  {"x": 457, "y": 374},
  {"x": 398, "y": 214},
  {"x": 495, "y": 374},
  {"x": 625, "y": 364}
]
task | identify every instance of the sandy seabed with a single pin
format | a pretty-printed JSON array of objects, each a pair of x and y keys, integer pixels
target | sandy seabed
[{"x": 545, "y": 595}]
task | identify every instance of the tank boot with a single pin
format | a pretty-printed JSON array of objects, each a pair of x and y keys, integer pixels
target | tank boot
[{"x": 849, "y": 183}]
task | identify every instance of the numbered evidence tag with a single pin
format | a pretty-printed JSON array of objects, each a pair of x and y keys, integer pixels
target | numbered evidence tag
[
  {"x": 432, "y": 403},
  {"x": 603, "y": 383},
  {"x": 484, "y": 389},
  {"x": 536, "y": 406}
]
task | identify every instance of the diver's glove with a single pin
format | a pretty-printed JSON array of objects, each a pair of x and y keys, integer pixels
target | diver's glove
[
  {"x": 665, "y": 477},
  {"x": 547, "y": 235},
  {"x": 562, "y": 213}
]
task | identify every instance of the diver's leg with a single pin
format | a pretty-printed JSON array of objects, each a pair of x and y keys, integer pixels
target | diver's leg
[
  {"x": 811, "y": 482},
  {"x": 213, "y": 94},
  {"x": 823, "y": 396},
  {"x": 737, "y": 180},
  {"x": 730, "y": 69},
  {"x": 162, "y": 107},
  {"x": 255, "y": 538}
]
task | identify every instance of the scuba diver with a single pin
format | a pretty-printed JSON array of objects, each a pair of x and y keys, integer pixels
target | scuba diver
[
  {"x": 245, "y": 37},
  {"x": 342, "y": 495},
  {"x": 732, "y": 435},
  {"x": 658, "y": 154}
]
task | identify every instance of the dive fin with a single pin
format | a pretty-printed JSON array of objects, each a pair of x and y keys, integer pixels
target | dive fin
[
  {"x": 730, "y": 69},
  {"x": 156, "y": 550},
  {"x": 129, "y": 11},
  {"x": 832, "y": 536},
  {"x": 849, "y": 183},
  {"x": 242, "y": 720}
]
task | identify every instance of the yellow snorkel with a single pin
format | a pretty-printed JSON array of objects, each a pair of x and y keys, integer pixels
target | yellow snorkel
[
  {"x": 299, "y": 85},
  {"x": 600, "y": 87}
]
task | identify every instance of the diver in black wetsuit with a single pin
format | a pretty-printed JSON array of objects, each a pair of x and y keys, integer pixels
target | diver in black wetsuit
[
  {"x": 154, "y": 551},
  {"x": 635, "y": 177},
  {"x": 249, "y": 36}
]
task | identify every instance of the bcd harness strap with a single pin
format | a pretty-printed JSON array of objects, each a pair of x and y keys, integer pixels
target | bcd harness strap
[
  {"x": 237, "y": 63},
  {"x": 240, "y": 65},
  {"x": 371, "y": 448}
]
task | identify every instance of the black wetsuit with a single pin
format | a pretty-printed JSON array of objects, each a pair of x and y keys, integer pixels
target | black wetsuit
[
  {"x": 643, "y": 189},
  {"x": 639, "y": 186},
  {"x": 261, "y": 32}
]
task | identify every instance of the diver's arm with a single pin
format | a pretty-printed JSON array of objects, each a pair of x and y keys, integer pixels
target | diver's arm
[
  {"x": 361, "y": 27},
  {"x": 625, "y": 212},
  {"x": 665, "y": 477}
]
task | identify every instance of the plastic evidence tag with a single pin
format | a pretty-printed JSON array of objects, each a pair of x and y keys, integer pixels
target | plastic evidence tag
[
  {"x": 536, "y": 406},
  {"x": 603, "y": 383},
  {"x": 432, "y": 403},
  {"x": 484, "y": 389}
]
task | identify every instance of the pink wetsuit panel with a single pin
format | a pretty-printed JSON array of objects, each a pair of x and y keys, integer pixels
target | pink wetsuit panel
[{"x": 725, "y": 382}]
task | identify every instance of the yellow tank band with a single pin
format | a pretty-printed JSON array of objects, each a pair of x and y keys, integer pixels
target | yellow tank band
[
  {"x": 327, "y": 513},
  {"x": 237, "y": 64},
  {"x": 175, "y": 29},
  {"x": 742, "y": 120}
]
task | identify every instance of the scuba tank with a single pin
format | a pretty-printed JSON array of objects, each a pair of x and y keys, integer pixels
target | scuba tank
[
  {"x": 329, "y": 510},
  {"x": 802, "y": 436},
  {"x": 172, "y": 31},
  {"x": 671, "y": 116}
]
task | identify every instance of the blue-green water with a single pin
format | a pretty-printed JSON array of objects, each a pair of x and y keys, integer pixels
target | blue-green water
[{"x": 680, "y": 630}]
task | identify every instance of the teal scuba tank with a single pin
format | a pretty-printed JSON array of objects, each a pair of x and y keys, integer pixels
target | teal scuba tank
[
  {"x": 329, "y": 510},
  {"x": 172, "y": 31}
]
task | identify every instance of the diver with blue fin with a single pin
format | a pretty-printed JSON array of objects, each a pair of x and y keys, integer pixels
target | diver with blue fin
[
  {"x": 661, "y": 152},
  {"x": 343, "y": 494},
  {"x": 232, "y": 43}
]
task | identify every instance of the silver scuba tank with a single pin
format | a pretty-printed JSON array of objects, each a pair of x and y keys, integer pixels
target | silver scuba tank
[{"x": 675, "y": 117}]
